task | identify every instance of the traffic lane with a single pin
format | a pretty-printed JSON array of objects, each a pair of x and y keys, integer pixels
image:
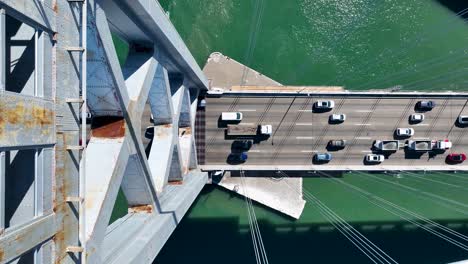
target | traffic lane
[
  {"x": 258, "y": 104},
  {"x": 381, "y": 111},
  {"x": 296, "y": 144},
  {"x": 303, "y": 135},
  {"x": 382, "y": 129},
  {"x": 446, "y": 118},
  {"x": 305, "y": 157}
]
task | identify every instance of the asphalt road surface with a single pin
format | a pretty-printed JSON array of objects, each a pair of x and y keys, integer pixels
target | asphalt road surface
[{"x": 299, "y": 133}]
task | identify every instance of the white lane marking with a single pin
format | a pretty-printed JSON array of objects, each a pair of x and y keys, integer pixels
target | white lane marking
[
  {"x": 420, "y": 139},
  {"x": 363, "y": 111},
  {"x": 306, "y": 110},
  {"x": 309, "y": 151},
  {"x": 362, "y": 124},
  {"x": 254, "y": 150},
  {"x": 247, "y": 110},
  {"x": 366, "y": 151},
  {"x": 303, "y": 124},
  {"x": 421, "y": 124},
  {"x": 248, "y": 124},
  {"x": 363, "y": 138},
  {"x": 305, "y": 137}
]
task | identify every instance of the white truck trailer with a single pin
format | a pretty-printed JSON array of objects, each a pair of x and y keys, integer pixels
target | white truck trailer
[{"x": 249, "y": 130}]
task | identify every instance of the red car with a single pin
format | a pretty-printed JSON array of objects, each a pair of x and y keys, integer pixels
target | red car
[{"x": 456, "y": 157}]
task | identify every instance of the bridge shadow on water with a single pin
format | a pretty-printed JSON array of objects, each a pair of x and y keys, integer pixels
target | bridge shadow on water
[
  {"x": 456, "y": 6},
  {"x": 226, "y": 240}
]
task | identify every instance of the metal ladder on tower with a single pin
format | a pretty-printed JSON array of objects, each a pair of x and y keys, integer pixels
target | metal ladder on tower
[{"x": 81, "y": 248}]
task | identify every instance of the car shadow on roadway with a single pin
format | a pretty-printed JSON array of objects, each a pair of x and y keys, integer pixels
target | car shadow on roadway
[
  {"x": 224, "y": 123},
  {"x": 255, "y": 138},
  {"x": 290, "y": 174},
  {"x": 321, "y": 110},
  {"x": 411, "y": 154}
]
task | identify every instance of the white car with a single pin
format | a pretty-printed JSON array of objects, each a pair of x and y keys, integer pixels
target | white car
[
  {"x": 231, "y": 116},
  {"x": 215, "y": 91},
  {"x": 405, "y": 132},
  {"x": 416, "y": 118},
  {"x": 324, "y": 104},
  {"x": 337, "y": 118},
  {"x": 266, "y": 129},
  {"x": 375, "y": 158}
]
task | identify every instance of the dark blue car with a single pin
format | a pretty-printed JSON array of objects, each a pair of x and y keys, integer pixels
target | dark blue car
[
  {"x": 323, "y": 157},
  {"x": 235, "y": 158}
]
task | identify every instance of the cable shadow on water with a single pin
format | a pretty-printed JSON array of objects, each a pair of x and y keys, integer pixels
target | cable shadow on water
[
  {"x": 227, "y": 239},
  {"x": 455, "y": 5}
]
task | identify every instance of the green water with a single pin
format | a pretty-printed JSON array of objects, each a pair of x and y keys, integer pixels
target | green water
[{"x": 360, "y": 44}]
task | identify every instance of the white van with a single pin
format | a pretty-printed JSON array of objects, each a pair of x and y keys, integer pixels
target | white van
[{"x": 231, "y": 116}]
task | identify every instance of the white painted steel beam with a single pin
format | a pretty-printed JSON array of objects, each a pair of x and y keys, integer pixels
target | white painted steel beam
[
  {"x": 38, "y": 12},
  {"x": 112, "y": 162},
  {"x": 102, "y": 91},
  {"x": 22, "y": 239},
  {"x": 139, "y": 71},
  {"x": 2, "y": 49},
  {"x": 161, "y": 155},
  {"x": 121, "y": 91},
  {"x": 193, "y": 106},
  {"x": 176, "y": 170},
  {"x": 2, "y": 192},
  {"x": 160, "y": 98},
  {"x": 106, "y": 160},
  {"x": 134, "y": 185},
  {"x": 178, "y": 92},
  {"x": 185, "y": 143},
  {"x": 193, "y": 163},
  {"x": 152, "y": 231},
  {"x": 185, "y": 114},
  {"x": 146, "y": 21},
  {"x": 39, "y": 183}
]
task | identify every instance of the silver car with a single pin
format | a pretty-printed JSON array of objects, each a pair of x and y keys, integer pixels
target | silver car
[
  {"x": 405, "y": 132},
  {"x": 375, "y": 158},
  {"x": 337, "y": 118},
  {"x": 417, "y": 118},
  {"x": 463, "y": 120},
  {"x": 324, "y": 104}
]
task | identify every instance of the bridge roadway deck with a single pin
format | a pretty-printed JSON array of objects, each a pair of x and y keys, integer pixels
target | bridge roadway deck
[{"x": 302, "y": 133}]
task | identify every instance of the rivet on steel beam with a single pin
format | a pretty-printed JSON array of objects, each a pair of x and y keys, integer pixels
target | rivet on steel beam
[
  {"x": 74, "y": 100},
  {"x": 71, "y": 49},
  {"x": 74, "y": 249},
  {"x": 74, "y": 199},
  {"x": 75, "y": 147}
]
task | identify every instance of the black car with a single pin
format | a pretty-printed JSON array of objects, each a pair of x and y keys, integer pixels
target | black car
[
  {"x": 425, "y": 105},
  {"x": 241, "y": 145},
  {"x": 338, "y": 144},
  {"x": 237, "y": 158}
]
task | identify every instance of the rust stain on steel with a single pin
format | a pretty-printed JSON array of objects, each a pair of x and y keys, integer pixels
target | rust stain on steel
[
  {"x": 108, "y": 127},
  {"x": 2, "y": 254},
  {"x": 175, "y": 182},
  {"x": 162, "y": 133},
  {"x": 55, "y": 6},
  {"x": 145, "y": 208},
  {"x": 16, "y": 114},
  {"x": 185, "y": 131},
  {"x": 42, "y": 116},
  {"x": 29, "y": 116}
]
